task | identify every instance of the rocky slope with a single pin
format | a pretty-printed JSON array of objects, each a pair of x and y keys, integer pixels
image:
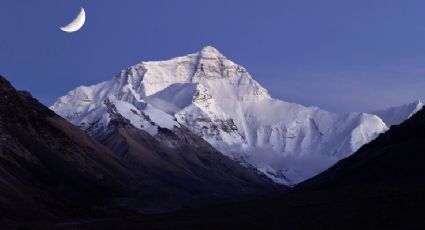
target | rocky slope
[{"x": 219, "y": 101}]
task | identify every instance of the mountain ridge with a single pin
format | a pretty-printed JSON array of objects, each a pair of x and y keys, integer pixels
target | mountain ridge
[
  {"x": 398, "y": 114},
  {"x": 219, "y": 100}
]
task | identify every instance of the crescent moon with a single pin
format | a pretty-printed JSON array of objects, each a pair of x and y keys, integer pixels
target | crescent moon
[{"x": 77, "y": 23}]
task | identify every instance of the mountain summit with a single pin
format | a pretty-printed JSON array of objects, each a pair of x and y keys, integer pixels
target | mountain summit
[
  {"x": 218, "y": 100},
  {"x": 210, "y": 52}
]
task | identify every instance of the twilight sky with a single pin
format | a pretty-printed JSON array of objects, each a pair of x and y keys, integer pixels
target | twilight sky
[{"x": 350, "y": 55}]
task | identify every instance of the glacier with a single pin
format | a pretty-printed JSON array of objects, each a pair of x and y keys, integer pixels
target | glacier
[{"x": 220, "y": 101}]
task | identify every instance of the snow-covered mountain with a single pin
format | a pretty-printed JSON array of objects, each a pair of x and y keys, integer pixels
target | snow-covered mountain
[
  {"x": 398, "y": 114},
  {"x": 220, "y": 101}
]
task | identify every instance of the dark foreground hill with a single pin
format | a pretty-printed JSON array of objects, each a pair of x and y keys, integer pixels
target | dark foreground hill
[
  {"x": 51, "y": 171},
  {"x": 49, "y": 168},
  {"x": 382, "y": 186}
]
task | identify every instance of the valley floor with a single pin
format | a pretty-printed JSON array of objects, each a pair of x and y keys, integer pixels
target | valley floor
[{"x": 369, "y": 206}]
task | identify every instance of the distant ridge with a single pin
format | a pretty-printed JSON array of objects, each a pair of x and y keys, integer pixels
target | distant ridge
[{"x": 398, "y": 114}]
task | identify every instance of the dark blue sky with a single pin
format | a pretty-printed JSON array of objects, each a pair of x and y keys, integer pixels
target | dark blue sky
[{"x": 352, "y": 55}]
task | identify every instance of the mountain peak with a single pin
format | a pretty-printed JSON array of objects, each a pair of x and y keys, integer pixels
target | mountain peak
[
  {"x": 210, "y": 52},
  {"x": 219, "y": 101}
]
